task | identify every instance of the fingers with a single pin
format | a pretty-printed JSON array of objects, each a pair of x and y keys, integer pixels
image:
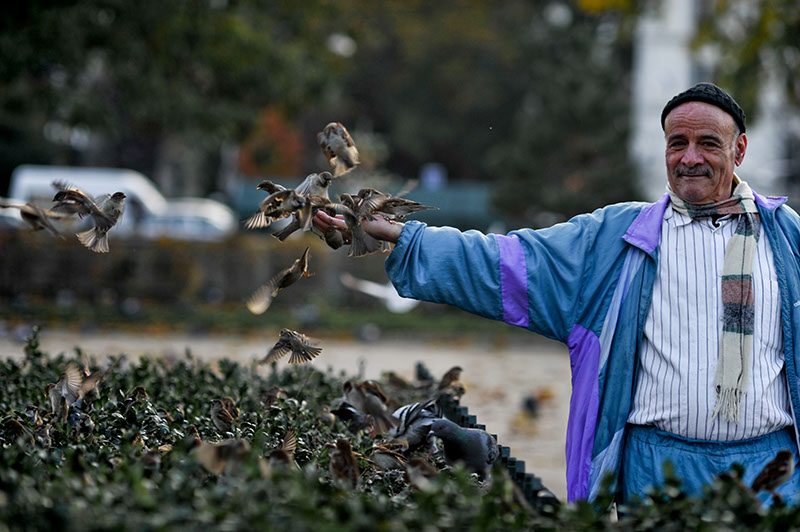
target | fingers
[{"x": 322, "y": 221}]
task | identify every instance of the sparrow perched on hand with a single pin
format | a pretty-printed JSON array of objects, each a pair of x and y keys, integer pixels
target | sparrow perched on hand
[
  {"x": 475, "y": 448},
  {"x": 369, "y": 400},
  {"x": 339, "y": 148},
  {"x": 775, "y": 473},
  {"x": 105, "y": 213},
  {"x": 298, "y": 344},
  {"x": 36, "y": 217},
  {"x": 344, "y": 466},
  {"x": 414, "y": 425},
  {"x": 221, "y": 417},
  {"x": 361, "y": 242},
  {"x": 280, "y": 203},
  {"x": 261, "y": 299}
]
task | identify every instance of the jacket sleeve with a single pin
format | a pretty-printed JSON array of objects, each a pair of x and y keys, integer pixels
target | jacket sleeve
[{"x": 527, "y": 278}]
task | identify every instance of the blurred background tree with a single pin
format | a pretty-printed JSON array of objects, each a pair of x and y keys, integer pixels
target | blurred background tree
[{"x": 529, "y": 96}]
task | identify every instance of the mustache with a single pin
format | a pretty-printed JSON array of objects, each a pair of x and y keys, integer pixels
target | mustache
[{"x": 686, "y": 171}]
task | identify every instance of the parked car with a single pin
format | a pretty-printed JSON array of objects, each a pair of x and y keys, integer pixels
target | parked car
[{"x": 147, "y": 212}]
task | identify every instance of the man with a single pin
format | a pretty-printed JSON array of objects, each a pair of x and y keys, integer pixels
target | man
[{"x": 679, "y": 315}]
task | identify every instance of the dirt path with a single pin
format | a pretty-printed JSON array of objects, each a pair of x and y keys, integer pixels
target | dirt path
[{"x": 497, "y": 377}]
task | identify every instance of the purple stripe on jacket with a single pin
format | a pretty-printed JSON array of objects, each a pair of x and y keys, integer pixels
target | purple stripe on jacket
[
  {"x": 513, "y": 280},
  {"x": 584, "y": 359}
]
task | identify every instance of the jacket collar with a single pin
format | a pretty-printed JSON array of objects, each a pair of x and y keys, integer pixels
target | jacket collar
[{"x": 645, "y": 231}]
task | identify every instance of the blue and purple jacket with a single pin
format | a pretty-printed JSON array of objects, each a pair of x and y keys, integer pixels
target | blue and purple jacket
[{"x": 587, "y": 283}]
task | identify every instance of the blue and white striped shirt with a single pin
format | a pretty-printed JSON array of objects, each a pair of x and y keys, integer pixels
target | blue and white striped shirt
[{"x": 678, "y": 355}]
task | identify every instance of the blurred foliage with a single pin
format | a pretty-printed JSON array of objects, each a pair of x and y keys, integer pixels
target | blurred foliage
[
  {"x": 453, "y": 82},
  {"x": 136, "y": 471},
  {"x": 754, "y": 40}
]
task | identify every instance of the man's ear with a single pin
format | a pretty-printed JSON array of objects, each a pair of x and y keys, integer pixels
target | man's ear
[{"x": 740, "y": 149}]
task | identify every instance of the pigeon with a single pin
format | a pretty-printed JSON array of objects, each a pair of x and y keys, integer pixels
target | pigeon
[
  {"x": 339, "y": 148},
  {"x": 220, "y": 416},
  {"x": 105, "y": 213},
  {"x": 356, "y": 421},
  {"x": 414, "y": 425},
  {"x": 36, "y": 217},
  {"x": 474, "y": 448},
  {"x": 261, "y": 299},
  {"x": 775, "y": 473},
  {"x": 299, "y": 345}
]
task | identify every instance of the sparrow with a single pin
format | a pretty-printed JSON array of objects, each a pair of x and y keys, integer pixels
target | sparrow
[
  {"x": 88, "y": 391},
  {"x": 13, "y": 431},
  {"x": 192, "y": 439},
  {"x": 361, "y": 242},
  {"x": 420, "y": 473},
  {"x": 474, "y": 448},
  {"x": 65, "y": 392},
  {"x": 414, "y": 425},
  {"x": 343, "y": 466},
  {"x": 339, "y": 148},
  {"x": 298, "y": 344},
  {"x": 230, "y": 406},
  {"x": 261, "y": 299},
  {"x": 165, "y": 415},
  {"x": 387, "y": 456},
  {"x": 222, "y": 418},
  {"x": 32, "y": 413},
  {"x": 279, "y": 204},
  {"x": 326, "y": 417},
  {"x": 284, "y": 457},
  {"x": 333, "y": 237},
  {"x": 775, "y": 473},
  {"x": 315, "y": 184},
  {"x": 449, "y": 378},
  {"x": 105, "y": 213},
  {"x": 222, "y": 458},
  {"x": 369, "y": 400},
  {"x": 36, "y": 217},
  {"x": 274, "y": 393}
]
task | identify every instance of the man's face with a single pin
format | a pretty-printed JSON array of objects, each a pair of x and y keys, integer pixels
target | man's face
[{"x": 703, "y": 149}]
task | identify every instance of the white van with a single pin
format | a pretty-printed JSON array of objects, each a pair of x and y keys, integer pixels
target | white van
[{"x": 147, "y": 212}]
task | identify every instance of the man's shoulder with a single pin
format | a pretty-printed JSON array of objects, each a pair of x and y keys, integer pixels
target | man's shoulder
[{"x": 617, "y": 213}]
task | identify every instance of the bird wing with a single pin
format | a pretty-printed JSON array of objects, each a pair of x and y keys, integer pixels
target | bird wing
[
  {"x": 69, "y": 384},
  {"x": 278, "y": 351}
]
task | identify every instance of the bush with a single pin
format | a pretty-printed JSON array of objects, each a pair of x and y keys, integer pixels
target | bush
[{"x": 136, "y": 471}]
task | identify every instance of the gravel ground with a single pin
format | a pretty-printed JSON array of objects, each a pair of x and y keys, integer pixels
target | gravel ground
[{"x": 497, "y": 377}]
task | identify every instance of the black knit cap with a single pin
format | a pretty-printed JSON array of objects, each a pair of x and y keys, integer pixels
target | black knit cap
[{"x": 708, "y": 93}]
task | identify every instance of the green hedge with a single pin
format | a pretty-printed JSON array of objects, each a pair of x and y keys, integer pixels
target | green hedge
[{"x": 119, "y": 480}]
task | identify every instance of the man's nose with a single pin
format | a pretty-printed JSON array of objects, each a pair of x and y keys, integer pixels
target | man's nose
[{"x": 692, "y": 156}]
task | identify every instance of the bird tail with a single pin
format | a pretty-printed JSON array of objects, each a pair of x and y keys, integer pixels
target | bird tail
[
  {"x": 306, "y": 354},
  {"x": 94, "y": 240},
  {"x": 342, "y": 165}
]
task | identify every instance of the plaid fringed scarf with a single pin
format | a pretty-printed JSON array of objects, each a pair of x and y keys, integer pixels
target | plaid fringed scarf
[{"x": 737, "y": 294}]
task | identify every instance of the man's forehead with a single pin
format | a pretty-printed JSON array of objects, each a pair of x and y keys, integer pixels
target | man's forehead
[{"x": 699, "y": 115}]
